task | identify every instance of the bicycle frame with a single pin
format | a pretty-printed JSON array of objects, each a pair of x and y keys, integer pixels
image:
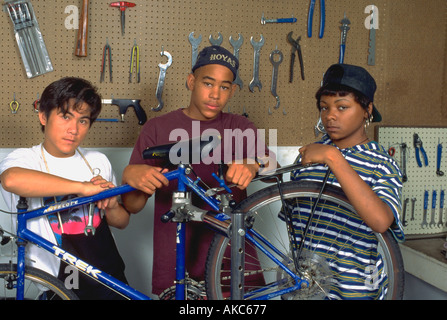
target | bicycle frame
[{"x": 25, "y": 235}]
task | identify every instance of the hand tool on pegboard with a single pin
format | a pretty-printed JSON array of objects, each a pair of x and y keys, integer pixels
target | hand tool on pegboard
[
  {"x": 81, "y": 42},
  {"x": 433, "y": 209},
  {"x": 296, "y": 47},
  {"x": 311, "y": 15},
  {"x": 216, "y": 41},
  {"x": 237, "y": 44},
  {"x": 344, "y": 33},
  {"x": 14, "y": 105},
  {"x": 439, "y": 173},
  {"x": 278, "y": 20},
  {"x": 424, "y": 223},
  {"x": 419, "y": 148},
  {"x": 257, "y": 45},
  {"x": 122, "y": 5},
  {"x": 161, "y": 79},
  {"x": 413, "y": 205},
  {"x": 134, "y": 60},
  {"x": 404, "y": 212},
  {"x": 29, "y": 38},
  {"x": 403, "y": 161},
  {"x": 372, "y": 42},
  {"x": 124, "y": 104},
  {"x": 441, "y": 208},
  {"x": 275, "y": 63},
  {"x": 195, "y": 42},
  {"x": 106, "y": 52}
]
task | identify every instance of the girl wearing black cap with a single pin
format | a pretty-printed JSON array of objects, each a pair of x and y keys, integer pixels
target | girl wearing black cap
[{"x": 371, "y": 180}]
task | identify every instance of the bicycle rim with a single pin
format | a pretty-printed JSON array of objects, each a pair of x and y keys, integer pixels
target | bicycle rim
[
  {"x": 38, "y": 285},
  {"x": 322, "y": 264}
]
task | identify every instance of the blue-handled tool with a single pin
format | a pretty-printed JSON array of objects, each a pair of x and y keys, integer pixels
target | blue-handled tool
[
  {"x": 344, "y": 33},
  {"x": 280, "y": 20},
  {"x": 311, "y": 15},
  {"x": 424, "y": 218},
  {"x": 418, "y": 147},
  {"x": 441, "y": 208},
  {"x": 439, "y": 173}
]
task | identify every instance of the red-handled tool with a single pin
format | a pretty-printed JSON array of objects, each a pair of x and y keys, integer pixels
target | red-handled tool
[{"x": 122, "y": 5}]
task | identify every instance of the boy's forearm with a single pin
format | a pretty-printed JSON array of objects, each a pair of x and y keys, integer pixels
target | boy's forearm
[{"x": 32, "y": 183}]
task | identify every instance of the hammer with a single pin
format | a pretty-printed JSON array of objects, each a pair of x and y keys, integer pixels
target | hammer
[{"x": 81, "y": 42}]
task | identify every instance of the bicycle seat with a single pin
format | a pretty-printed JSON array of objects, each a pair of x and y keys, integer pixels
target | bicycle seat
[{"x": 184, "y": 151}]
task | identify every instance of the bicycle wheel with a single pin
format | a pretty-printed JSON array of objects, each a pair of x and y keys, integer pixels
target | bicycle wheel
[
  {"x": 39, "y": 285},
  {"x": 325, "y": 260}
]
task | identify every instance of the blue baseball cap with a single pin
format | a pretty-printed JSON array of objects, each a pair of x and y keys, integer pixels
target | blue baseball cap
[{"x": 217, "y": 55}]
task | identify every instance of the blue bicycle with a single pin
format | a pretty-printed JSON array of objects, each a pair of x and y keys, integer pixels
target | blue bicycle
[{"x": 260, "y": 251}]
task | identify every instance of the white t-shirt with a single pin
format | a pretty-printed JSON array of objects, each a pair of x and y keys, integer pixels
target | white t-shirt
[{"x": 73, "y": 168}]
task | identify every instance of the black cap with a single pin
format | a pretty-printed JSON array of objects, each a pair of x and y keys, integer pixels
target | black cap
[
  {"x": 356, "y": 78},
  {"x": 217, "y": 55}
]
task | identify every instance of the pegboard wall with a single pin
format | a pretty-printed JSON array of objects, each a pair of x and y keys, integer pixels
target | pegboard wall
[
  {"x": 425, "y": 182},
  {"x": 409, "y": 31}
]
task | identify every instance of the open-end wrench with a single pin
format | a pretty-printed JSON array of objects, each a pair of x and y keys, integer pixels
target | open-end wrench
[
  {"x": 161, "y": 79},
  {"x": 441, "y": 208},
  {"x": 237, "y": 44},
  {"x": 413, "y": 200},
  {"x": 404, "y": 210},
  {"x": 403, "y": 160},
  {"x": 195, "y": 42},
  {"x": 433, "y": 209},
  {"x": 216, "y": 42},
  {"x": 424, "y": 223},
  {"x": 275, "y": 64},
  {"x": 255, "y": 82},
  {"x": 89, "y": 228}
]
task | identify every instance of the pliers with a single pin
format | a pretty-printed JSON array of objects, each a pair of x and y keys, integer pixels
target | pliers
[
  {"x": 295, "y": 47},
  {"x": 417, "y": 143},
  {"x": 310, "y": 18},
  {"x": 104, "y": 56}
]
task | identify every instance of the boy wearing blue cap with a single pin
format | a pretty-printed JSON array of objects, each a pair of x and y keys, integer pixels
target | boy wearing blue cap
[
  {"x": 211, "y": 86},
  {"x": 370, "y": 178}
]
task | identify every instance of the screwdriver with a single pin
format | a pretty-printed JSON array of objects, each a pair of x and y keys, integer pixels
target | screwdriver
[{"x": 122, "y": 5}]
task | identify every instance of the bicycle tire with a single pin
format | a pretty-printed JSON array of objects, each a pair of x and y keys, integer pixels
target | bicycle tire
[
  {"x": 217, "y": 273},
  {"x": 39, "y": 285}
]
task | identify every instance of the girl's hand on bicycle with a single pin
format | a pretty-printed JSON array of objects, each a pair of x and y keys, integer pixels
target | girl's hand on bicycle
[{"x": 319, "y": 153}]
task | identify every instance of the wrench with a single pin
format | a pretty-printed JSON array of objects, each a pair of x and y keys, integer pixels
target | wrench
[
  {"x": 403, "y": 160},
  {"x": 433, "y": 207},
  {"x": 237, "y": 44},
  {"x": 90, "y": 228},
  {"x": 413, "y": 200},
  {"x": 216, "y": 42},
  {"x": 255, "y": 82},
  {"x": 441, "y": 208},
  {"x": 404, "y": 221},
  {"x": 195, "y": 42},
  {"x": 161, "y": 79},
  {"x": 275, "y": 64},
  {"x": 424, "y": 223}
]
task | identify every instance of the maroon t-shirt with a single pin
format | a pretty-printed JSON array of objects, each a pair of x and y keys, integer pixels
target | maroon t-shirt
[{"x": 157, "y": 132}]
